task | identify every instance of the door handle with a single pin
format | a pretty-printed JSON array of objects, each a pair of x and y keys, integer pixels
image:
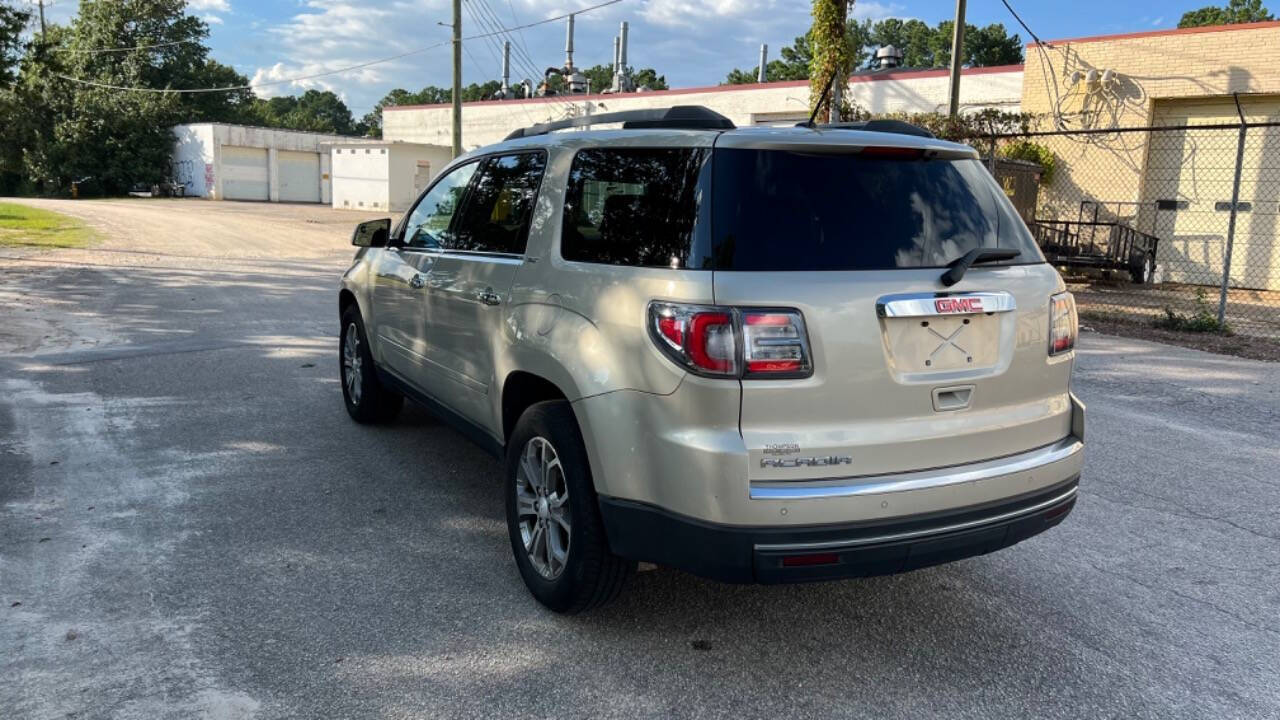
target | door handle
[
  {"x": 488, "y": 296},
  {"x": 417, "y": 282}
]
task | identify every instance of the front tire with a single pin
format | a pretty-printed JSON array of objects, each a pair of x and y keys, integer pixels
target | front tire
[
  {"x": 366, "y": 398},
  {"x": 553, "y": 514}
]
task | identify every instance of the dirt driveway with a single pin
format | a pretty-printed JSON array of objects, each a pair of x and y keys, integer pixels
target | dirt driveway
[{"x": 190, "y": 236}]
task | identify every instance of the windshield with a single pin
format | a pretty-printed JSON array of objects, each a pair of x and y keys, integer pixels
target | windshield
[{"x": 786, "y": 210}]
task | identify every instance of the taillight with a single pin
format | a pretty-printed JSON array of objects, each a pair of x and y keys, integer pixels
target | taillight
[
  {"x": 1063, "y": 324},
  {"x": 732, "y": 342},
  {"x": 775, "y": 344}
]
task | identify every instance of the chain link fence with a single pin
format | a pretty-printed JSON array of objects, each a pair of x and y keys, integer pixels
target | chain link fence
[{"x": 1174, "y": 227}]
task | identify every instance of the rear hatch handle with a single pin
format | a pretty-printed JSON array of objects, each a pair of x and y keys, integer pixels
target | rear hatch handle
[{"x": 957, "y": 268}]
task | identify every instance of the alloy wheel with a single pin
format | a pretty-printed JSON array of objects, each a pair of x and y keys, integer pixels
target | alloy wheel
[
  {"x": 352, "y": 371},
  {"x": 542, "y": 507}
]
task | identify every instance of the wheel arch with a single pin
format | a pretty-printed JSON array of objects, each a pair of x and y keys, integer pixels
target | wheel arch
[
  {"x": 522, "y": 389},
  {"x": 346, "y": 299}
]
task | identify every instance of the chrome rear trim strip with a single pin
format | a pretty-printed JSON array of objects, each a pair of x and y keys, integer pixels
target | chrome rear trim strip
[
  {"x": 919, "y": 480},
  {"x": 924, "y": 532},
  {"x": 931, "y": 304}
]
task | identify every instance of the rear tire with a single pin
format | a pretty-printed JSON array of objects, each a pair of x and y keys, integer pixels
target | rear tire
[
  {"x": 366, "y": 398},
  {"x": 1143, "y": 272},
  {"x": 556, "y": 532}
]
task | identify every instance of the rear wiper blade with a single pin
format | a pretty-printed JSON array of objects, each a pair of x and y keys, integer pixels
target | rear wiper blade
[{"x": 957, "y": 268}]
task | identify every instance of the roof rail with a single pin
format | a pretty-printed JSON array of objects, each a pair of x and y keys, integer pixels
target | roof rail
[
  {"x": 889, "y": 126},
  {"x": 678, "y": 117}
]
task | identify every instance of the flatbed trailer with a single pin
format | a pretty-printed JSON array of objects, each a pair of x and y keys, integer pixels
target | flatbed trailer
[{"x": 1094, "y": 242}]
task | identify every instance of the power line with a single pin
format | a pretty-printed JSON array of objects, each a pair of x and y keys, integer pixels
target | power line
[
  {"x": 96, "y": 51},
  {"x": 516, "y": 20},
  {"x": 525, "y": 61},
  {"x": 312, "y": 76},
  {"x": 489, "y": 42},
  {"x": 491, "y": 22},
  {"x": 1044, "y": 63},
  {"x": 1015, "y": 15}
]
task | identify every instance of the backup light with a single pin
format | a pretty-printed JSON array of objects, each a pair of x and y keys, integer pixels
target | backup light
[{"x": 1064, "y": 325}]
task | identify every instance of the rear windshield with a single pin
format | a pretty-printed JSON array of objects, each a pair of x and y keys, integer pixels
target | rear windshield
[{"x": 785, "y": 210}]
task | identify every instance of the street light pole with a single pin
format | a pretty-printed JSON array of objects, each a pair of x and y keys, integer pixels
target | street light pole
[
  {"x": 957, "y": 55},
  {"x": 457, "y": 78}
]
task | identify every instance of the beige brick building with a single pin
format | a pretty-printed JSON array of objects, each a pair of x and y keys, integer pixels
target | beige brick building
[
  {"x": 884, "y": 91},
  {"x": 1175, "y": 185}
]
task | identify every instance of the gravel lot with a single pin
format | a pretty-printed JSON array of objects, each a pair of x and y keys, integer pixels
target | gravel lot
[{"x": 190, "y": 526}]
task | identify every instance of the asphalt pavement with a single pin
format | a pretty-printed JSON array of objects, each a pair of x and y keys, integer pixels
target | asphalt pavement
[{"x": 190, "y": 526}]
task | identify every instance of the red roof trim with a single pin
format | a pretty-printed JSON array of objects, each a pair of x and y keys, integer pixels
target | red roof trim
[
  {"x": 861, "y": 78},
  {"x": 1159, "y": 33}
]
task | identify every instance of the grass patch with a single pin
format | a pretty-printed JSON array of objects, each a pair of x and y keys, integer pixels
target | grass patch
[
  {"x": 23, "y": 226},
  {"x": 1203, "y": 319}
]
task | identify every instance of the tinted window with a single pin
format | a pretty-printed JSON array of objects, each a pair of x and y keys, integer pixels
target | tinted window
[
  {"x": 500, "y": 204},
  {"x": 783, "y": 210},
  {"x": 636, "y": 207},
  {"x": 429, "y": 224}
]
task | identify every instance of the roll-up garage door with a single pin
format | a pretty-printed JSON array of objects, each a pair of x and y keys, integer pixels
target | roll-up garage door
[
  {"x": 299, "y": 176},
  {"x": 1189, "y": 181},
  {"x": 244, "y": 173}
]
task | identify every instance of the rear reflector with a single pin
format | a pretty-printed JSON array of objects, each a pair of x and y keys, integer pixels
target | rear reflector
[
  {"x": 1061, "y": 510},
  {"x": 809, "y": 560}
]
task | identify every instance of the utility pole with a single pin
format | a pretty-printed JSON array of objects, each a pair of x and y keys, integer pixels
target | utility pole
[
  {"x": 41, "y": 20},
  {"x": 457, "y": 77},
  {"x": 957, "y": 54}
]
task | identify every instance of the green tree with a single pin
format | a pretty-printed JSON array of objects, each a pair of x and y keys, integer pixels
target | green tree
[
  {"x": 990, "y": 46},
  {"x": 924, "y": 46},
  {"x": 73, "y": 128},
  {"x": 1235, "y": 12},
  {"x": 599, "y": 77},
  {"x": 912, "y": 37},
  {"x": 649, "y": 78},
  {"x": 312, "y": 111},
  {"x": 12, "y": 22},
  {"x": 793, "y": 65}
]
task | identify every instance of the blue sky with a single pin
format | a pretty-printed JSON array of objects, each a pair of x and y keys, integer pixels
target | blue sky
[{"x": 692, "y": 42}]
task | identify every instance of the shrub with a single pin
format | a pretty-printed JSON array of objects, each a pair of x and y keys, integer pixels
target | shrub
[
  {"x": 1032, "y": 152},
  {"x": 1202, "y": 320}
]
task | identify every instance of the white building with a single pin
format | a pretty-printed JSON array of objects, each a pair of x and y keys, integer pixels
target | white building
[
  {"x": 878, "y": 91},
  {"x": 383, "y": 175},
  {"x": 237, "y": 162}
]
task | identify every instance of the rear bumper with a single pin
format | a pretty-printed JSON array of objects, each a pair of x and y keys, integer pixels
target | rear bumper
[{"x": 827, "y": 552}]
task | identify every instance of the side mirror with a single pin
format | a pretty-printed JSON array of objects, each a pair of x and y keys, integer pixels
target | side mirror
[{"x": 372, "y": 233}]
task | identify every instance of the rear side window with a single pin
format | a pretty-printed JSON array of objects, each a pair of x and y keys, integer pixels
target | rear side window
[
  {"x": 786, "y": 210},
  {"x": 637, "y": 206},
  {"x": 495, "y": 216}
]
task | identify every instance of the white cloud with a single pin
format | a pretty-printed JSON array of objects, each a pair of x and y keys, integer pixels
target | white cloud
[
  {"x": 214, "y": 5},
  {"x": 681, "y": 13},
  {"x": 212, "y": 19},
  {"x": 691, "y": 42},
  {"x": 876, "y": 11}
]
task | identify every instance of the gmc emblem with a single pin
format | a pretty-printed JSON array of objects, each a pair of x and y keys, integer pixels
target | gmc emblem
[{"x": 958, "y": 305}]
